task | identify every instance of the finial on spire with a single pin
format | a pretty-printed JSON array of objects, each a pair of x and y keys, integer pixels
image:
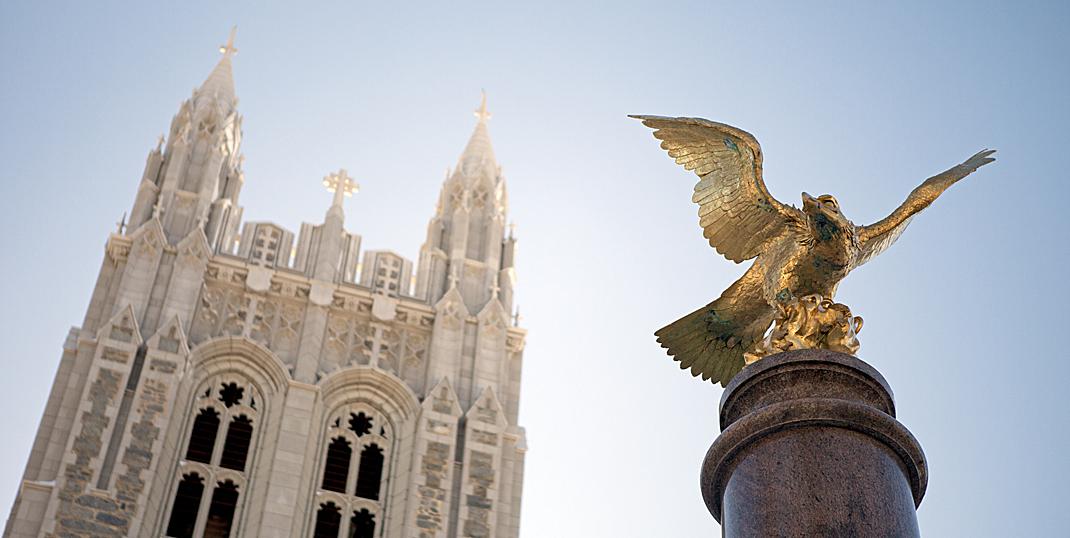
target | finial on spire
[
  {"x": 512, "y": 229},
  {"x": 159, "y": 143},
  {"x": 229, "y": 49},
  {"x": 516, "y": 317},
  {"x": 341, "y": 185},
  {"x": 481, "y": 112},
  {"x": 122, "y": 224}
]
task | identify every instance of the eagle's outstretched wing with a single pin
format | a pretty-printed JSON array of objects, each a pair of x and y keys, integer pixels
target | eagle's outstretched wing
[
  {"x": 880, "y": 235},
  {"x": 736, "y": 211},
  {"x": 872, "y": 244}
]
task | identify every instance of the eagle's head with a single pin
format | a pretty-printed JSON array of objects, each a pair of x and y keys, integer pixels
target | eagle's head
[{"x": 825, "y": 216}]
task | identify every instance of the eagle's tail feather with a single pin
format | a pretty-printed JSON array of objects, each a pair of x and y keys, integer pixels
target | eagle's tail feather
[{"x": 711, "y": 340}]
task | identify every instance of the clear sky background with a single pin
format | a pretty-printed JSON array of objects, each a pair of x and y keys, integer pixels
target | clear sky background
[{"x": 862, "y": 101}]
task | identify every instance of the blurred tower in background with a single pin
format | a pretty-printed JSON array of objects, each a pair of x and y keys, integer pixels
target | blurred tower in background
[{"x": 247, "y": 384}]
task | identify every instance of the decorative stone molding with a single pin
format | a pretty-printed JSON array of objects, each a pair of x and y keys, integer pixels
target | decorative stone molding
[
  {"x": 118, "y": 248},
  {"x": 369, "y": 383},
  {"x": 234, "y": 352},
  {"x": 259, "y": 278},
  {"x": 384, "y": 308}
]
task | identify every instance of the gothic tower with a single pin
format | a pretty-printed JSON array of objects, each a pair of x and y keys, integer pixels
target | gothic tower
[{"x": 244, "y": 384}]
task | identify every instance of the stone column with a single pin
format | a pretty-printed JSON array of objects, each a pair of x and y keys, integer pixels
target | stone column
[{"x": 809, "y": 446}]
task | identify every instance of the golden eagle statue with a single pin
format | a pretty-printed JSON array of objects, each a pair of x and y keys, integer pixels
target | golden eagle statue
[{"x": 800, "y": 255}]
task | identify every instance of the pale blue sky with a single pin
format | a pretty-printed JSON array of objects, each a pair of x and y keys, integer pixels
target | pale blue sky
[{"x": 862, "y": 101}]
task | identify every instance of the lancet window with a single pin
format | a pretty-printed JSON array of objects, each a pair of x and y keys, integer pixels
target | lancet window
[
  {"x": 352, "y": 481},
  {"x": 215, "y": 461}
]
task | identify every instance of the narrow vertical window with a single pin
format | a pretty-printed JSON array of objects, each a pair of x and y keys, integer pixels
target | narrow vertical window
[
  {"x": 221, "y": 511},
  {"x": 370, "y": 472},
  {"x": 336, "y": 468},
  {"x": 236, "y": 446},
  {"x": 328, "y": 521},
  {"x": 362, "y": 524},
  {"x": 184, "y": 510},
  {"x": 202, "y": 438}
]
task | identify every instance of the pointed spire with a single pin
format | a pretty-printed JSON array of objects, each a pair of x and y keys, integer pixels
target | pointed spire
[
  {"x": 479, "y": 149},
  {"x": 481, "y": 112},
  {"x": 229, "y": 48},
  {"x": 220, "y": 82}
]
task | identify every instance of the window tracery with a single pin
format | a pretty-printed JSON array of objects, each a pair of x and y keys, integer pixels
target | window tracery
[
  {"x": 213, "y": 469},
  {"x": 353, "y": 480}
]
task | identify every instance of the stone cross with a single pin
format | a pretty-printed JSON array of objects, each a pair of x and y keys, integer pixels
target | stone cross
[
  {"x": 341, "y": 185},
  {"x": 157, "y": 209},
  {"x": 452, "y": 278}
]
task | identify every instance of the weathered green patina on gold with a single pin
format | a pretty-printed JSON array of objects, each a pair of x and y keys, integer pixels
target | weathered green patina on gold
[{"x": 801, "y": 255}]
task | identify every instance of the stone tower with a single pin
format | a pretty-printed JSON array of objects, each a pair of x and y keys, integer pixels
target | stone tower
[{"x": 244, "y": 384}]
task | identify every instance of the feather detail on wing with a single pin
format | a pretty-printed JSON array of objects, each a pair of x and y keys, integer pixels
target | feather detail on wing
[
  {"x": 736, "y": 212},
  {"x": 877, "y": 237},
  {"x": 711, "y": 340},
  {"x": 873, "y": 244}
]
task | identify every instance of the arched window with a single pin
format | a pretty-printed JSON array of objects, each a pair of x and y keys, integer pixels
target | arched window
[
  {"x": 187, "y": 503},
  {"x": 202, "y": 437},
  {"x": 221, "y": 511},
  {"x": 336, "y": 467},
  {"x": 236, "y": 447},
  {"x": 216, "y": 458},
  {"x": 370, "y": 474},
  {"x": 356, "y": 457},
  {"x": 328, "y": 521},
  {"x": 362, "y": 524}
]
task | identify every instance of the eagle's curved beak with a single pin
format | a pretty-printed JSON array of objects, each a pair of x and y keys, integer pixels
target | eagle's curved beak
[{"x": 809, "y": 201}]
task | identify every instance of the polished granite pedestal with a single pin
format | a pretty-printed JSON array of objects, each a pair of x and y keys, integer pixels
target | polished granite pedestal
[{"x": 810, "y": 446}]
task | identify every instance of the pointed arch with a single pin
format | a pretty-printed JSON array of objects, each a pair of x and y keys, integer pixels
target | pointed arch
[
  {"x": 229, "y": 388},
  {"x": 369, "y": 412},
  {"x": 370, "y": 384},
  {"x": 237, "y": 353}
]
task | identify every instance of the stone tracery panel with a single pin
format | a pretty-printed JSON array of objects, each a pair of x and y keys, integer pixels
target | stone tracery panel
[
  {"x": 272, "y": 321},
  {"x": 349, "y": 340},
  {"x": 219, "y": 451},
  {"x": 355, "y": 488}
]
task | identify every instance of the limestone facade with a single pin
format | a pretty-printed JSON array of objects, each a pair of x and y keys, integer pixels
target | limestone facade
[{"x": 229, "y": 380}]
